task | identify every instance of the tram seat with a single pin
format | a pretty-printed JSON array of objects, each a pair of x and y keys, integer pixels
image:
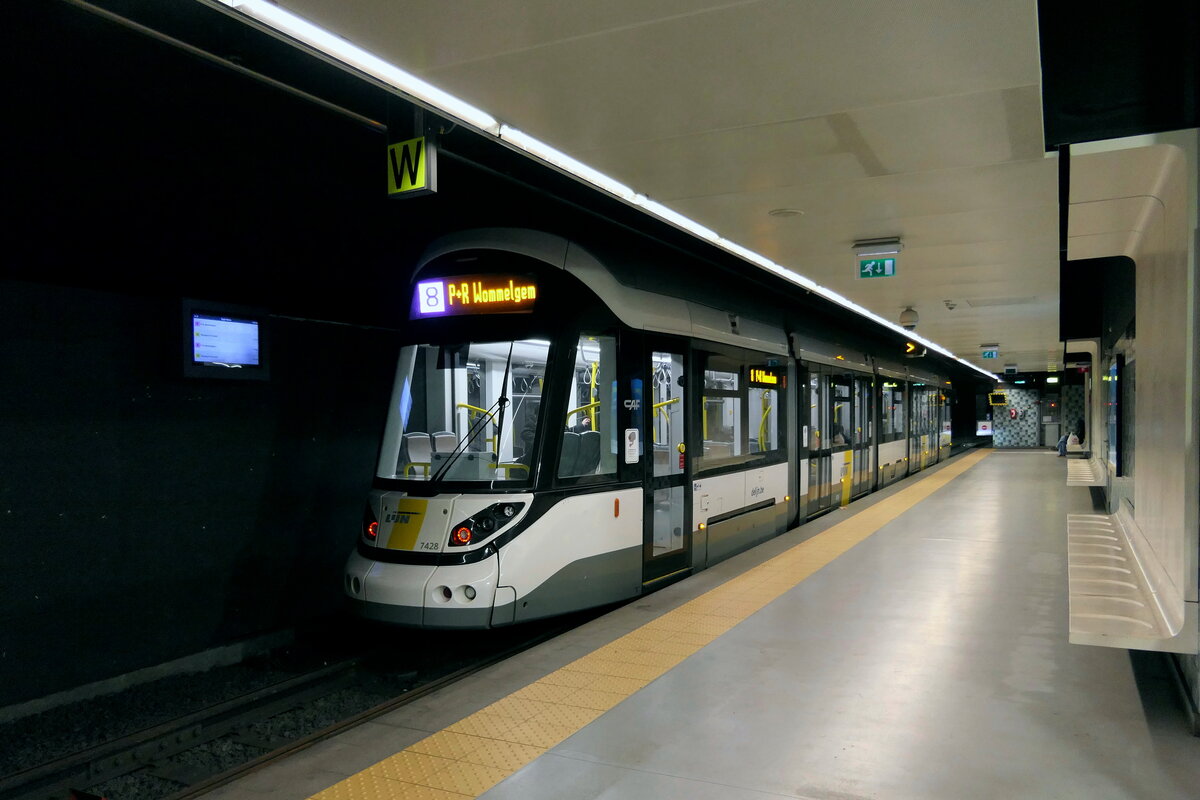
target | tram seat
[
  {"x": 589, "y": 453},
  {"x": 569, "y": 455},
  {"x": 416, "y": 452},
  {"x": 444, "y": 441}
]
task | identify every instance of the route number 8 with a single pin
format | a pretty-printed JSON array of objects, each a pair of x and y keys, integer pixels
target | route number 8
[{"x": 432, "y": 297}]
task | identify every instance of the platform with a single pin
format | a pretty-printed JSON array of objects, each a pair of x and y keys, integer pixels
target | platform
[{"x": 913, "y": 645}]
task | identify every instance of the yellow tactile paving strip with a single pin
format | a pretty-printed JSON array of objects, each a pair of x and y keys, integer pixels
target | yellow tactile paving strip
[{"x": 476, "y": 753}]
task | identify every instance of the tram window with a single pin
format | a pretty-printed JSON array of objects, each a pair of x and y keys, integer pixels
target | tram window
[
  {"x": 742, "y": 410},
  {"x": 721, "y": 414},
  {"x": 814, "y": 409},
  {"x": 764, "y": 414},
  {"x": 465, "y": 411},
  {"x": 589, "y": 445},
  {"x": 891, "y": 414},
  {"x": 841, "y": 426}
]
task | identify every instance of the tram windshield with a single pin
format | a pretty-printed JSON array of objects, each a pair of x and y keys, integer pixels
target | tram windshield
[{"x": 465, "y": 412}]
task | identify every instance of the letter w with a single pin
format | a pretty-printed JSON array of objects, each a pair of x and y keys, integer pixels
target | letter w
[{"x": 410, "y": 162}]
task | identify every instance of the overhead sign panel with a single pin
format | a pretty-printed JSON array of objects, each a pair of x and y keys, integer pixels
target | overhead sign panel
[
  {"x": 411, "y": 168},
  {"x": 991, "y": 353}
]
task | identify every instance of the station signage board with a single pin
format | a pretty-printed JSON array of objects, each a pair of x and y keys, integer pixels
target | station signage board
[{"x": 412, "y": 168}]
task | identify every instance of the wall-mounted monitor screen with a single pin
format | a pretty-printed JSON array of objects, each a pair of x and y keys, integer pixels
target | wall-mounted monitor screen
[
  {"x": 473, "y": 294},
  {"x": 224, "y": 341},
  {"x": 997, "y": 399}
]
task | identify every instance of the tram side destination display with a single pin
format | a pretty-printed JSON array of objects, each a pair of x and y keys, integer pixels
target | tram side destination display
[
  {"x": 474, "y": 294},
  {"x": 769, "y": 377}
]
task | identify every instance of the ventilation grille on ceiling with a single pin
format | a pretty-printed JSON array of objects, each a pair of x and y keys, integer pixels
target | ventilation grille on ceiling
[{"x": 1000, "y": 301}]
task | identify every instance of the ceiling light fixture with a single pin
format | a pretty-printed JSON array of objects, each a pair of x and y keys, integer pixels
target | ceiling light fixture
[
  {"x": 888, "y": 246},
  {"x": 785, "y": 212}
]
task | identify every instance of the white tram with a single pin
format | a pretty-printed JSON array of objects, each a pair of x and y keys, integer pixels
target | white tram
[{"x": 557, "y": 440}]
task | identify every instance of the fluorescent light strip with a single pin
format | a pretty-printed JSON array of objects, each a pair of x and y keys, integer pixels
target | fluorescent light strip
[
  {"x": 565, "y": 162},
  {"x": 336, "y": 47},
  {"x": 677, "y": 219}
]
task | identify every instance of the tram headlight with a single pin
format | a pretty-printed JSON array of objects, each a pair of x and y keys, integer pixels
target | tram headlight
[{"x": 484, "y": 523}]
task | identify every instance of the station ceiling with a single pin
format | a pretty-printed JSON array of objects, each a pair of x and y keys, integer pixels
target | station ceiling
[{"x": 870, "y": 119}]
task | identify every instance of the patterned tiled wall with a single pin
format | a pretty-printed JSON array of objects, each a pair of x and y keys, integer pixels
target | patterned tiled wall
[
  {"x": 1072, "y": 407},
  {"x": 1022, "y": 431}
]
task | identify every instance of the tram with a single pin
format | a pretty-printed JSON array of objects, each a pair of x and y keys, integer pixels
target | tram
[{"x": 558, "y": 439}]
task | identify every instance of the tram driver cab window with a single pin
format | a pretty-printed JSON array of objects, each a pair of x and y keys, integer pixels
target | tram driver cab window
[
  {"x": 464, "y": 411},
  {"x": 589, "y": 435}
]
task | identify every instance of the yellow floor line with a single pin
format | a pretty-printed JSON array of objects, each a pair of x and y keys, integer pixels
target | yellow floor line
[{"x": 474, "y": 754}]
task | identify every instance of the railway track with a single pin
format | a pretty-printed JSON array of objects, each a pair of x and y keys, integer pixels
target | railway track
[{"x": 191, "y": 755}]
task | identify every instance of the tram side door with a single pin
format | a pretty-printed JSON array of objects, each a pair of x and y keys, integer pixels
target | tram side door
[
  {"x": 842, "y": 442},
  {"x": 819, "y": 452},
  {"x": 863, "y": 415},
  {"x": 667, "y": 532}
]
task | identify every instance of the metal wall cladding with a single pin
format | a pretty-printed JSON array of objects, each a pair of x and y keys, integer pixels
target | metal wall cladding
[{"x": 1025, "y": 430}]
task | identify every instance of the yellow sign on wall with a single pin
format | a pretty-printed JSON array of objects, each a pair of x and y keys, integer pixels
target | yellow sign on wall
[{"x": 410, "y": 168}]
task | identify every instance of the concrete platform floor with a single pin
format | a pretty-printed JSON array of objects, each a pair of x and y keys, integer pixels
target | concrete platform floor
[{"x": 928, "y": 661}]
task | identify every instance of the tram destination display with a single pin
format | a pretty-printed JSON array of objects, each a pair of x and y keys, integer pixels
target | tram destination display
[
  {"x": 474, "y": 294},
  {"x": 767, "y": 378}
]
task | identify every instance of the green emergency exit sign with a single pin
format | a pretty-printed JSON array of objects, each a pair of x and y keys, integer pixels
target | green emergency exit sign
[
  {"x": 876, "y": 267},
  {"x": 991, "y": 353}
]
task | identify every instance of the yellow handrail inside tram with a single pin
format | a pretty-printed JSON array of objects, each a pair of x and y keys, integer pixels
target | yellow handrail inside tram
[
  {"x": 584, "y": 408},
  {"x": 476, "y": 411},
  {"x": 762, "y": 425},
  {"x": 654, "y": 415},
  {"x": 592, "y": 394}
]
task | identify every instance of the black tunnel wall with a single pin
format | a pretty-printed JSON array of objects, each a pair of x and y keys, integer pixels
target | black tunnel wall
[
  {"x": 148, "y": 516},
  {"x": 144, "y": 516}
]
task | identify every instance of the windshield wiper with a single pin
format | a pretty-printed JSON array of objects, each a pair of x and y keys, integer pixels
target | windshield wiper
[{"x": 477, "y": 427}]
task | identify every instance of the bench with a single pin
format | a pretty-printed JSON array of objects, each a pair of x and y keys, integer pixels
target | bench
[
  {"x": 1089, "y": 471},
  {"x": 1115, "y": 598}
]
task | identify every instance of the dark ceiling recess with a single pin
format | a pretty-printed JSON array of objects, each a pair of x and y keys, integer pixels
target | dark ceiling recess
[{"x": 1118, "y": 68}]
